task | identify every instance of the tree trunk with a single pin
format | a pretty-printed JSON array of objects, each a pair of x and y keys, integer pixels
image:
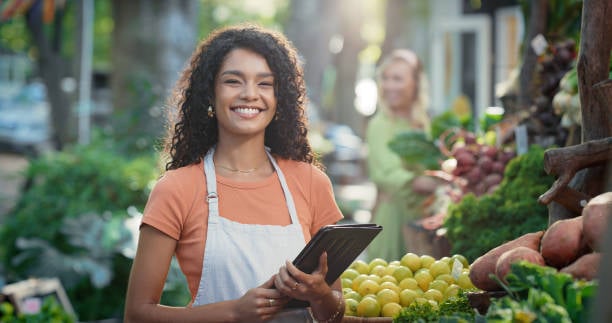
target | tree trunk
[
  {"x": 152, "y": 42},
  {"x": 53, "y": 68},
  {"x": 347, "y": 65},
  {"x": 537, "y": 25},
  {"x": 310, "y": 26}
]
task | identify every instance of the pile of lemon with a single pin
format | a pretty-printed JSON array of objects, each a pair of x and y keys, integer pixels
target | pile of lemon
[{"x": 381, "y": 288}]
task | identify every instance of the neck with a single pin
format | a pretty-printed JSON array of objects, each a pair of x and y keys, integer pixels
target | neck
[{"x": 240, "y": 158}]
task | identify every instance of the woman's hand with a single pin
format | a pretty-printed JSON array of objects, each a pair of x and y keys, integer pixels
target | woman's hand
[
  {"x": 295, "y": 283},
  {"x": 425, "y": 185},
  {"x": 260, "y": 303}
]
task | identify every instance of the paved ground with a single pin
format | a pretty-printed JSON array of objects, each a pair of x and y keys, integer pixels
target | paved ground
[{"x": 11, "y": 181}]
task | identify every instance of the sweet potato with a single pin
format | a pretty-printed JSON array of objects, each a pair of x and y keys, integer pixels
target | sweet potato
[
  {"x": 485, "y": 264},
  {"x": 562, "y": 242},
  {"x": 511, "y": 256},
  {"x": 596, "y": 215},
  {"x": 585, "y": 267}
]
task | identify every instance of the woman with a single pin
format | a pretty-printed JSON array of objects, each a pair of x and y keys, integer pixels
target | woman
[
  {"x": 241, "y": 194},
  {"x": 401, "y": 188}
]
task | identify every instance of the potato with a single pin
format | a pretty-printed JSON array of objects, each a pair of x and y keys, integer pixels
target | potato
[
  {"x": 509, "y": 257},
  {"x": 585, "y": 267},
  {"x": 562, "y": 242},
  {"x": 596, "y": 215},
  {"x": 486, "y": 264}
]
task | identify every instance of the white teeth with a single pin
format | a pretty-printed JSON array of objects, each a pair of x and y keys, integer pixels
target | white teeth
[{"x": 247, "y": 110}]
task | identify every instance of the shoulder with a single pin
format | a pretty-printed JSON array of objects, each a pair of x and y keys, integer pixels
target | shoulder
[
  {"x": 183, "y": 179},
  {"x": 302, "y": 170}
]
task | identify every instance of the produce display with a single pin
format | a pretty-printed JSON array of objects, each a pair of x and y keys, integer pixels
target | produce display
[
  {"x": 384, "y": 288},
  {"x": 567, "y": 245},
  {"x": 474, "y": 166},
  {"x": 542, "y": 294},
  {"x": 477, "y": 224}
]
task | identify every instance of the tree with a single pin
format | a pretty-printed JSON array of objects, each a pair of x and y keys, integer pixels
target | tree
[{"x": 152, "y": 42}]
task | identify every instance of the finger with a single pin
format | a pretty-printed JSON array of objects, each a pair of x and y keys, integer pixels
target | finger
[
  {"x": 295, "y": 273},
  {"x": 322, "y": 268},
  {"x": 268, "y": 283}
]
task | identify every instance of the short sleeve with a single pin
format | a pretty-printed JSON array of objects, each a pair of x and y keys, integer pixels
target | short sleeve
[{"x": 167, "y": 208}]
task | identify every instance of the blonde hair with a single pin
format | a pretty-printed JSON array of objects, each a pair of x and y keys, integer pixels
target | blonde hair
[{"x": 421, "y": 102}]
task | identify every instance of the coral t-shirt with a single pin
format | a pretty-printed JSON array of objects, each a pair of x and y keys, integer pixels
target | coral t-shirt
[{"x": 177, "y": 207}]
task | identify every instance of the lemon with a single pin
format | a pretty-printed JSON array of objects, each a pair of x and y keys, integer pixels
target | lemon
[
  {"x": 377, "y": 262},
  {"x": 439, "y": 267},
  {"x": 394, "y": 263},
  {"x": 391, "y": 310},
  {"x": 464, "y": 281},
  {"x": 353, "y": 295},
  {"x": 423, "y": 278},
  {"x": 346, "y": 282},
  {"x": 360, "y": 266},
  {"x": 447, "y": 278},
  {"x": 407, "y": 296},
  {"x": 386, "y": 295},
  {"x": 358, "y": 280},
  {"x": 411, "y": 261},
  {"x": 350, "y": 306},
  {"x": 350, "y": 273},
  {"x": 391, "y": 286},
  {"x": 402, "y": 272},
  {"x": 378, "y": 270},
  {"x": 451, "y": 291},
  {"x": 446, "y": 259},
  {"x": 408, "y": 283},
  {"x": 375, "y": 278},
  {"x": 388, "y": 278},
  {"x": 421, "y": 300},
  {"x": 440, "y": 285},
  {"x": 368, "y": 307},
  {"x": 390, "y": 269},
  {"x": 368, "y": 286},
  {"x": 426, "y": 261},
  {"x": 434, "y": 294}
]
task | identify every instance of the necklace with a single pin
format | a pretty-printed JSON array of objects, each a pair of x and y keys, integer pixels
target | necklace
[{"x": 243, "y": 171}]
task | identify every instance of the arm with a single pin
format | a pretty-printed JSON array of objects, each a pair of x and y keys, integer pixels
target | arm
[{"x": 149, "y": 270}]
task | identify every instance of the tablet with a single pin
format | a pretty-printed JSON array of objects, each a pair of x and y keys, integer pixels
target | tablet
[{"x": 343, "y": 244}]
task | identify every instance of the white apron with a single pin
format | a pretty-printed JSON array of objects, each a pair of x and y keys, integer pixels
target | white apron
[{"x": 239, "y": 256}]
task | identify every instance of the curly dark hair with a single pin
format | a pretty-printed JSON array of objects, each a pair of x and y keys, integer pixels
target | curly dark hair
[{"x": 191, "y": 133}]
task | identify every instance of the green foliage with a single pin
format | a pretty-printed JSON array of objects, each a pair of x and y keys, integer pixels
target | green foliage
[
  {"x": 50, "y": 311},
  {"x": 454, "y": 309},
  {"x": 70, "y": 223},
  {"x": 477, "y": 225},
  {"x": 544, "y": 294},
  {"x": 414, "y": 148}
]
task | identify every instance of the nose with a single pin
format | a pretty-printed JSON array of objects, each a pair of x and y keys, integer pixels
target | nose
[{"x": 249, "y": 92}]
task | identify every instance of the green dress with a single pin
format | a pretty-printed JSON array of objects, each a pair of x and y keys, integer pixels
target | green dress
[{"x": 396, "y": 204}]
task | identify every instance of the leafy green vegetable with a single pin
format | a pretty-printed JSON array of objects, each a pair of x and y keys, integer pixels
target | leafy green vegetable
[
  {"x": 455, "y": 309},
  {"x": 415, "y": 148},
  {"x": 541, "y": 294}
]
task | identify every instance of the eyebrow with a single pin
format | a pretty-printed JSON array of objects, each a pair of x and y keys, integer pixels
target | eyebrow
[{"x": 241, "y": 74}]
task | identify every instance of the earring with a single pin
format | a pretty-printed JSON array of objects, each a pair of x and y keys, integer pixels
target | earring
[
  {"x": 276, "y": 116},
  {"x": 211, "y": 112}
]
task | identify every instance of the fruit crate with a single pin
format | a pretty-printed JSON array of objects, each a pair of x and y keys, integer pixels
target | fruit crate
[{"x": 357, "y": 319}]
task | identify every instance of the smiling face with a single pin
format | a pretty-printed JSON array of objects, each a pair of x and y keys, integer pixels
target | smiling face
[
  {"x": 398, "y": 85},
  {"x": 245, "y": 102}
]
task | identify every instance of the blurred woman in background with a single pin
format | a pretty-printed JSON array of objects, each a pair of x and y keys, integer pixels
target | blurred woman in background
[{"x": 401, "y": 189}]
